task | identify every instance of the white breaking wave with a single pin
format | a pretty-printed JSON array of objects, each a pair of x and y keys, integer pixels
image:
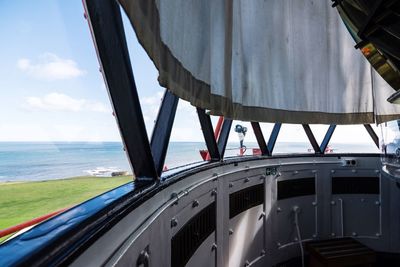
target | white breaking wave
[{"x": 102, "y": 171}]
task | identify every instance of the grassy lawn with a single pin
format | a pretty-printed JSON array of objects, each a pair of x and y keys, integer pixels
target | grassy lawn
[{"x": 20, "y": 202}]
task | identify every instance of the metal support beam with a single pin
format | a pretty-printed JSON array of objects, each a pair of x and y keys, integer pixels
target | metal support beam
[
  {"x": 208, "y": 133},
  {"x": 372, "y": 133},
  {"x": 311, "y": 138},
  {"x": 162, "y": 130},
  {"x": 224, "y": 135},
  {"x": 260, "y": 138},
  {"x": 327, "y": 138},
  {"x": 273, "y": 137},
  {"x": 106, "y": 26}
]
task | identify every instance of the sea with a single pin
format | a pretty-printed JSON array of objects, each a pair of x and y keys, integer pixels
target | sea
[{"x": 33, "y": 161}]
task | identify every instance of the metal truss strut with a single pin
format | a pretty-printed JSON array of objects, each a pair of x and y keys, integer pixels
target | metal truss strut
[
  {"x": 162, "y": 129},
  {"x": 311, "y": 138},
  {"x": 105, "y": 22},
  {"x": 260, "y": 138}
]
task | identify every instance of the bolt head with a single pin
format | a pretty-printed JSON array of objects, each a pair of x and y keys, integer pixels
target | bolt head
[
  {"x": 354, "y": 234},
  {"x": 314, "y": 203},
  {"x": 377, "y": 202},
  {"x": 174, "y": 222},
  {"x": 333, "y": 202},
  {"x": 378, "y": 234},
  {"x": 195, "y": 203},
  {"x": 278, "y": 209},
  {"x": 333, "y": 234}
]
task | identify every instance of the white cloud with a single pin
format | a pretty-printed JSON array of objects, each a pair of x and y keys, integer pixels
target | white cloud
[
  {"x": 62, "y": 102},
  {"x": 50, "y": 67}
]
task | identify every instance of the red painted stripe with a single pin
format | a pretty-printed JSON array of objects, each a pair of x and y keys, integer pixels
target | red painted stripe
[{"x": 21, "y": 226}]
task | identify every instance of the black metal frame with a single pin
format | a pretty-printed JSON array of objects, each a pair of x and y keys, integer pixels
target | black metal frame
[
  {"x": 273, "y": 137},
  {"x": 311, "y": 138},
  {"x": 108, "y": 32},
  {"x": 372, "y": 133},
  {"x": 162, "y": 130},
  {"x": 147, "y": 159},
  {"x": 223, "y": 136},
  {"x": 327, "y": 138},
  {"x": 260, "y": 138},
  {"x": 208, "y": 133}
]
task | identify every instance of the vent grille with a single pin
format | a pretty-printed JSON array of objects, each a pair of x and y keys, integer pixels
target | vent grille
[
  {"x": 296, "y": 188},
  {"x": 192, "y": 235},
  {"x": 355, "y": 185},
  {"x": 245, "y": 199}
]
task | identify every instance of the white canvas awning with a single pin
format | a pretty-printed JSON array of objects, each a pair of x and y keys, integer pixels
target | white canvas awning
[{"x": 287, "y": 61}]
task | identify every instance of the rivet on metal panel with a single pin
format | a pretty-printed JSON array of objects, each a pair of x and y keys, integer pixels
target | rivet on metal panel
[
  {"x": 230, "y": 184},
  {"x": 214, "y": 192},
  {"x": 262, "y": 215},
  {"x": 354, "y": 234},
  {"x": 174, "y": 222},
  {"x": 353, "y": 171},
  {"x": 377, "y": 171},
  {"x": 333, "y": 234},
  {"x": 295, "y": 172},
  {"x": 378, "y": 234},
  {"x": 314, "y": 236},
  {"x": 295, "y": 239},
  {"x": 195, "y": 203},
  {"x": 332, "y": 171},
  {"x": 214, "y": 247},
  {"x": 278, "y": 244},
  {"x": 377, "y": 203},
  {"x": 278, "y": 209},
  {"x": 247, "y": 180},
  {"x": 314, "y": 171},
  {"x": 230, "y": 231},
  {"x": 314, "y": 203},
  {"x": 333, "y": 203}
]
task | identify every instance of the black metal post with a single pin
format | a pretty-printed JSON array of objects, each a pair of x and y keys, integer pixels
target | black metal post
[
  {"x": 260, "y": 138},
  {"x": 273, "y": 137},
  {"x": 372, "y": 133},
  {"x": 327, "y": 138},
  {"x": 105, "y": 22},
  {"x": 311, "y": 138},
  {"x": 162, "y": 129},
  {"x": 208, "y": 133},
  {"x": 223, "y": 136}
]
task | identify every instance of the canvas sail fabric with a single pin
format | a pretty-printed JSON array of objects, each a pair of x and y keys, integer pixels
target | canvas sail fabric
[{"x": 290, "y": 61}]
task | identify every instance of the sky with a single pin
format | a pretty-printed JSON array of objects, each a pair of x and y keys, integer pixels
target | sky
[{"x": 52, "y": 90}]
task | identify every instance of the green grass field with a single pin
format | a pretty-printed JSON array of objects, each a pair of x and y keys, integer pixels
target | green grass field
[{"x": 23, "y": 201}]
